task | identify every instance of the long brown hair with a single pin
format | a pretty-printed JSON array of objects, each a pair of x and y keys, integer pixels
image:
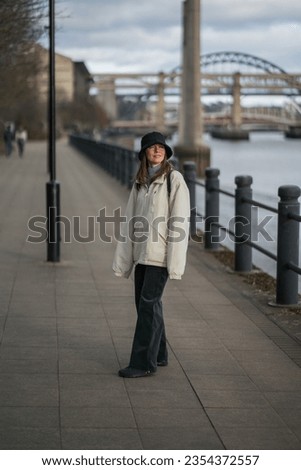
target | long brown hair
[{"x": 142, "y": 173}]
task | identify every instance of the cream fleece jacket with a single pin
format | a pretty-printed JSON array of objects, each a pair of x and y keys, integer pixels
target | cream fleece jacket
[{"x": 156, "y": 230}]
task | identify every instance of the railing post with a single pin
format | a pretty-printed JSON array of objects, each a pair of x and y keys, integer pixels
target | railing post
[
  {"x": 243, "y": 214},
  {"x": 123, "y": 165},
  {"x": 126, "y": 167},
  {"x": 189, "y": 170},
  {"x": 111, "y": 154},
  {"x": 132, "y": 167},
  {"x": 212, "y": 209},
  {"x": 103, "y": 156},
  {"x": 287, "y": 245},
  {"x": 116, "y": 169}
]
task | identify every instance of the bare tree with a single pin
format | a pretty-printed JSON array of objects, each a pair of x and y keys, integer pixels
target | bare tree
[{"x": 20, "y": 27}]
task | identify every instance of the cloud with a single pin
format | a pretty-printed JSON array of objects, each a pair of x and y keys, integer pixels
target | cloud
[
  {"x": 259, "y": 42},
  {"x": 237, "y": 14},
  {"x": 113, "y": 14},
  {"x": 121, "y": 34},
  {"x": 112, "y": 35}
]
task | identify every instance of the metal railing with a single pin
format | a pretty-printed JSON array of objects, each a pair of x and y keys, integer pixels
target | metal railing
[
  {"x": 288, "y": 221},
  {"x": 118, "y": 161},
  {"x": 122, "y": 164}
]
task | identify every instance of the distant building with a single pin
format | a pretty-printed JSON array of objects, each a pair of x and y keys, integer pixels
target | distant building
[
  {"x": 74, "y": 104},
  {"x": 82, "y": 80},
  {"x": 72, "y": 79}
]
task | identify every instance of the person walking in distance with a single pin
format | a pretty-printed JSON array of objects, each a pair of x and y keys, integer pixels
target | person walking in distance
[
  {"x": 154, "y": 242},
  {"x": 8, "y": 137},
  {"x": 21, "y": 138}
]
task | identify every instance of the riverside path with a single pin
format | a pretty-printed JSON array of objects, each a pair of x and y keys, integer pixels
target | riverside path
[{"x": 233, "y": 380}]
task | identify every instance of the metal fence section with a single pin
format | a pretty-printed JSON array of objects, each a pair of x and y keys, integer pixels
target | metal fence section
[
  {"x": 118, "y": 161},
  {"x": 288, "y": 227},
  {"x": 122, "y": 164}
]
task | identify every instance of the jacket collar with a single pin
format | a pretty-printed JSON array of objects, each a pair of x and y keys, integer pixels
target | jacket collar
[{"x": 159, "y": 180}]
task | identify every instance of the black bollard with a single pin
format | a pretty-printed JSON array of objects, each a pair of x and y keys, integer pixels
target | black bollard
[
  {"x": 53, "y": 217},
  {"x": 212, "y": 231},
  {"x": 132, "y": 168},
  {"x": 243, "y": 214},
  {"x": 189, "y": 170},
  {"x": 287, "y": 245}
]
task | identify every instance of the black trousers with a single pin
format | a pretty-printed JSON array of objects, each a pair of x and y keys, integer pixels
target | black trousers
[
  {"x": 149, "y": 344},
  {"x": 21, "y": 147}
]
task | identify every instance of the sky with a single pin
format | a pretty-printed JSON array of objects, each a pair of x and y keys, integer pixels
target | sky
[{"x": 146, "y": 35}]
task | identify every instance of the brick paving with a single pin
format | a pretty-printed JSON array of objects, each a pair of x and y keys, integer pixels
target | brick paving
[{"x": 67, "y": 327}]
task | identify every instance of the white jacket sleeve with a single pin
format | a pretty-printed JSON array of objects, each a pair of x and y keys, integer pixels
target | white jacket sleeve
[
  {"x": 179, "y": 223},
  {"x": 123, "y": 259}
]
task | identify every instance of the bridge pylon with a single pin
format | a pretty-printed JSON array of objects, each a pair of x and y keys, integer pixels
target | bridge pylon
[{"x": 190, "y": 145}]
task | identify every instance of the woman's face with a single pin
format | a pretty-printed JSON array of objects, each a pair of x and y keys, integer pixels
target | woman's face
[{"x": 155, "y": 154}]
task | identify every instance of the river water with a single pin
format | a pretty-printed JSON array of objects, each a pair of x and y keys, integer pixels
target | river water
[{"x": 272, "y": 160}]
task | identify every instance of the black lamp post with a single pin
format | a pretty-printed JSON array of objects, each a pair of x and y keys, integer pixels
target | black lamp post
[{"x": 52, "y": 186}]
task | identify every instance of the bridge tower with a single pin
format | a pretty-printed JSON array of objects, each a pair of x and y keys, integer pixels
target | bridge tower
[
  {"x": 160, "y": 104},
  {"x": 107, "y": 98},
  {"x": 236, "y": 106},
  {"x": 234, "y": 131},
  {"x": 190, "y": 145}
]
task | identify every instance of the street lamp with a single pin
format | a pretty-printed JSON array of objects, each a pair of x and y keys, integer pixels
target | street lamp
[{"x": 52, "y": 186}]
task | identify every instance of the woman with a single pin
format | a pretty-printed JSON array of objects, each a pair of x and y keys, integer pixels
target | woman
[
  {"x": 21, "y": 138},
  {"x": 154, "y": 240}
]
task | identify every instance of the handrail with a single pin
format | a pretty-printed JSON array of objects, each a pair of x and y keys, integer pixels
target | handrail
[
  {"x": 226, "y": 193},
  {"x": 294, "y": 217},
  {"x": 288, "y": 213},
  {"x": 118, "y": 161},
  {"x": 261, "y": 205},
  {"x": 294, "y": 268},
  {"x": 248, "y": 242}
]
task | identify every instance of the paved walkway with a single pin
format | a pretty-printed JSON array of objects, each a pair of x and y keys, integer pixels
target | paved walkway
[{"x": 233, "y": 381}]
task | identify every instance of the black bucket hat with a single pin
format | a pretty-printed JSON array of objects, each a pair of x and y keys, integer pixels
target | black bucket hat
[{"x": 153, "y": 138}]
